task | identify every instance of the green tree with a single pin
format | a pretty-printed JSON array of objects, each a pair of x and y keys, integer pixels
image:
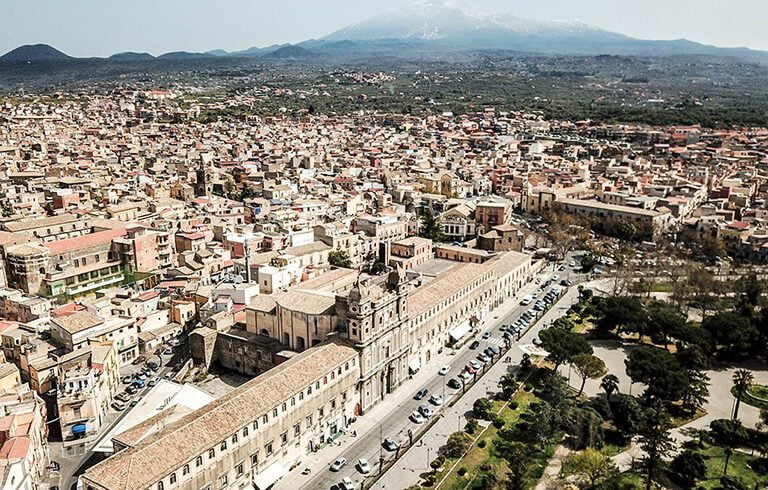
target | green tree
[
  {"x": 431, "y": 226},
  {"x": 588, "y": 366},
  {"x": 339, "y": 258},
  {"x": 610, "y": 385},
  {"x": 742, "y": 380},
  {"x": 457, "y": 444},
  {"x": 696, "y": 391},
  {"x": 663, "y": 320},
  {"x": 563, "y": 345},
  {"x": 688, "y": 467},
  {"x": 518, "y": 459},
  {"x": 735, "y": 335},
  {"x": 627, "y": 414},
  {"x": 659, "y": 370},
  {"x": 622, "y": 313},
  {"x": 508, "y": 386},
  {"x": 481, "y": 408},
  {"x": 655, "y": 441},
  {"x": 585, "y": 426},
  {"x": 592, "y": 465}
]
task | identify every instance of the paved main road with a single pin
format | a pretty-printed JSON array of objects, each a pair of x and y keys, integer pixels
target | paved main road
[
  {"x": 389, "y": 419},
  {"x": 407, "y": 471}
]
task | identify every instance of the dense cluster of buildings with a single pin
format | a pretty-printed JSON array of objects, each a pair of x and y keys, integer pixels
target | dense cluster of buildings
[{"x": 326, "y": 257}]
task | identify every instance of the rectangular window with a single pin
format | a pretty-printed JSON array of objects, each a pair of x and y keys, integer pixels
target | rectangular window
[
  {"x": 239, "y": 469},
  {"x": 268, "y": 448},
  {"x": 254, "y": 459},
  {"x": 223, "y": 481},
  {"x": 297, "y": 429},
  {"x": 284, "y": 438}
]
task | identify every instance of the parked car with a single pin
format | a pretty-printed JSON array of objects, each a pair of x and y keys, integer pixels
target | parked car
[
  {"x": 152, "y": 382},
  {"x": 474, "y": 345},
  {"x": 465, "y": 375},
  {"x": 138, "y": 360},
  {"x": 131, "y": 389},
  {"x": 487, "y": 335},
  {"x": 444, "y": 370},
  {"x": 338, "y": 464},
  {"x": 347, "y": 483},
  {"x": 138, "y": 383},
  {"x": 470, "y": 368},
  {"x": 416, "y": 417},
  {"x": 389, "y": 445},
  {"x": 119, "y": 406},
  {"x": 454, "y": 383},
  {"x": 425, "y": 410},
  {"x": 168, "y": 352},
  {"x": 420, "y": 394},
  {"x": 475, "y": 364},
  {"x": 127, "y": 380},
  {"x": 436, "y": 400},
  {"x": 363, "y": 466},
  {"x": 483, "y": 358},
  {"x": 494, "y": 349}
]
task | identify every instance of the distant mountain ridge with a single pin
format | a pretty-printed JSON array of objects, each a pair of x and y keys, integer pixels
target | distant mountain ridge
[
  {"x": 432, "y": 29},
  {"x": 34, "y": 52}
]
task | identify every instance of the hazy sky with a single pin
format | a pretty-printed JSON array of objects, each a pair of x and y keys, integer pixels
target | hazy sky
[{"x": 104, "y": 27}]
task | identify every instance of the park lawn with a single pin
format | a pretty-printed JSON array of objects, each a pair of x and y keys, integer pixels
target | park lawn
[
  {"x": 758, "y": 391},
  {"x": 737, "y": 467},
  {"x": 661, "y": 287},
  {"x": 477, "y": 456},
  {"x": 749, "y": 396},
  {"x": 581, "y": 324}
]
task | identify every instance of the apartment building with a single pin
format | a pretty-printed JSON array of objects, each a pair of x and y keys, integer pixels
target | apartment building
[{"x": 249, "y": 436}]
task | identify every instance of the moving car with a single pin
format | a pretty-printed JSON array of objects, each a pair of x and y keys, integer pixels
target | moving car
[
  {"x": 487, "y": 335},
  {"x": 363, "y": 466},
  {"x": 338, "y": 464},
  {"x": 474, "y": 345},
  {"x": 444, "y": 370},
  {"x": 420, "y": 394},
  {"x": 389, "y": 445}
]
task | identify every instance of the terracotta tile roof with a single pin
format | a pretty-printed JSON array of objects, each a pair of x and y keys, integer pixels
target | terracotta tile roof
[
  {"x": 86, "y": 241},
  {"x": 78, "y": 322}
]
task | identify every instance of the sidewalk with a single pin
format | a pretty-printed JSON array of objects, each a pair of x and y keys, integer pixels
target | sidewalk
[
  {"x": 319, "y": 461},
  {"x": 408, "y": 469}
]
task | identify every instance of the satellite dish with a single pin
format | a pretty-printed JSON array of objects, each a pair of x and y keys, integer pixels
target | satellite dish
[{"x": 238, "y": 279}]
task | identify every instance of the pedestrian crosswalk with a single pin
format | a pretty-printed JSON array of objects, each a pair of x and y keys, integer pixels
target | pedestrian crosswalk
[{"x": 498, "y": 341}]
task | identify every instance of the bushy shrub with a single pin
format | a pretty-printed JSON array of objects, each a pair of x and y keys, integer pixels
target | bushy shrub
[{"x": 462, "y": 471}]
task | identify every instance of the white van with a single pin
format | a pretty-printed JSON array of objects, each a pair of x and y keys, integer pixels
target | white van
[{"x": 526, "y": 300}]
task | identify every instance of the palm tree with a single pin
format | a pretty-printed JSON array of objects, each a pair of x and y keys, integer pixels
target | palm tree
[
  {"x": 610, "y": 384},
  {"x": 742, "y": 379}
]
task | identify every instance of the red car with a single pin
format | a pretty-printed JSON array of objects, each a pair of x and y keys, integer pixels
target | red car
[{"x": 468, "y": 368}]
